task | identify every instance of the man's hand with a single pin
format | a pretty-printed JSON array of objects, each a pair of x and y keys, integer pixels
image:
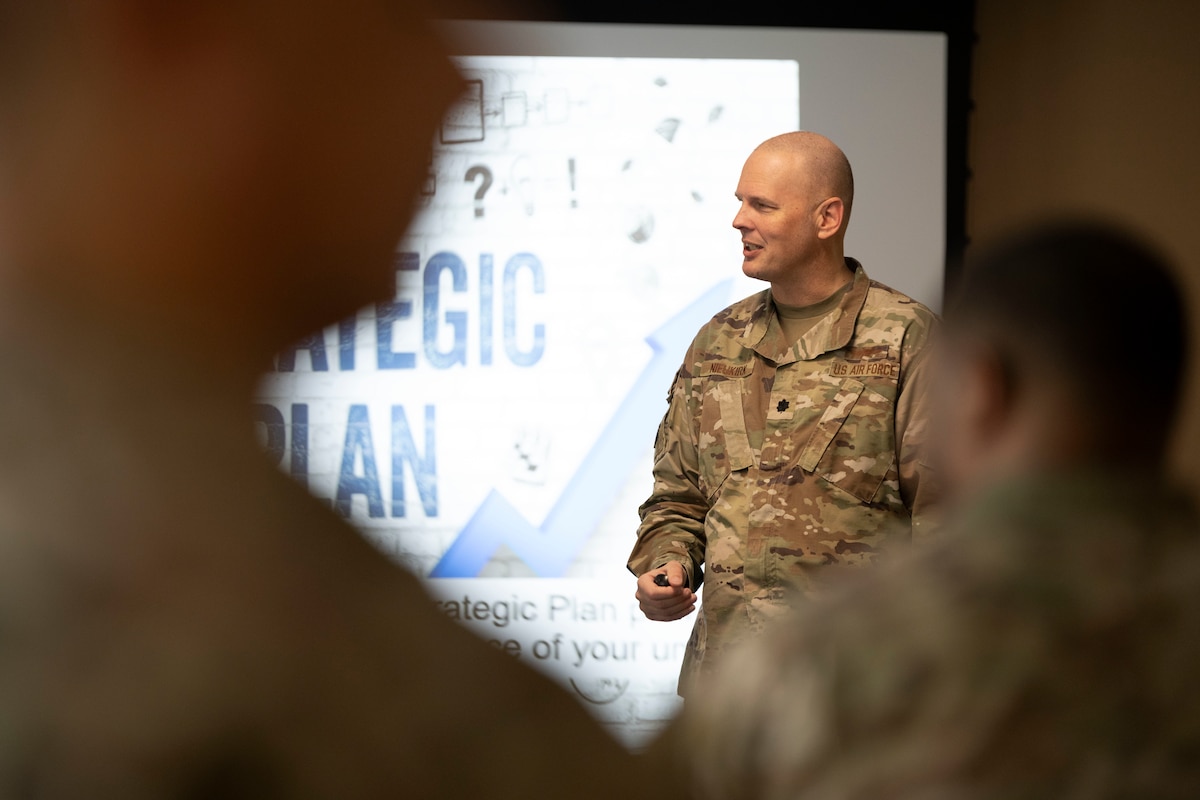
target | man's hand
[{"x": 665, "y": 603}]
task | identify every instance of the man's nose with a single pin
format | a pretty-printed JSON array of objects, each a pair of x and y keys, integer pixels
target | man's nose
[{"x": 739, "y": 220}]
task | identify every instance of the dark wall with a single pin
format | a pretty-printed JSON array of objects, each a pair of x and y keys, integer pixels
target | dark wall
[{"x": 1093, "y": 106}]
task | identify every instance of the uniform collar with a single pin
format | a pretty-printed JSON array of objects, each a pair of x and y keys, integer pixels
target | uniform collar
[{"x": 764, "y": 334}]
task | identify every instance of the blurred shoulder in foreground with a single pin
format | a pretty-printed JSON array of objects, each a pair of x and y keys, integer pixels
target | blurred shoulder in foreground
[
  {"x": 185, "y": 188},
  {"x": 1050, "y": 653}
]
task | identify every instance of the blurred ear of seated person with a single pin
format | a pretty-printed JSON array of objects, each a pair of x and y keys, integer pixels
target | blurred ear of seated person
[
  {"x": 1050, "y": 646},
  {"x": 185, "y": 188}
]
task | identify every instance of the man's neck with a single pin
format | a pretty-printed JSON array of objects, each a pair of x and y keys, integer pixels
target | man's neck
[{"x": 813, "y": 282}]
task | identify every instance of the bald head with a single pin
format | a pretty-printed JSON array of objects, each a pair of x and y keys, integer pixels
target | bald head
[{"x": 823, "y": 162}]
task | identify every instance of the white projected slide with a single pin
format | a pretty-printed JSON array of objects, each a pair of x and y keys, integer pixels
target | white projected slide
[{"x": 491, "y": 427}]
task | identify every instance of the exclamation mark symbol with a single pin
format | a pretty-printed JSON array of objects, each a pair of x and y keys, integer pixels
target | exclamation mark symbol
[{"x": 571, "y": 173}]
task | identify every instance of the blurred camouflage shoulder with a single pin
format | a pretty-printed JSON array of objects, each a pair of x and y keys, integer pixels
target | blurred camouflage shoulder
[{"x": 1047, "y": 647}]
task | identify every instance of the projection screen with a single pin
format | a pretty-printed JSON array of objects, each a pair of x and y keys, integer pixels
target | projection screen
[{"x": 491, "y": 426}]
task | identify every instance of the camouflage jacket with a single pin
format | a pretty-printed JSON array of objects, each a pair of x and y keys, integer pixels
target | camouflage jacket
[
  {"x": 1046, "y": 646},
  {"x": 778, "y": 462}
]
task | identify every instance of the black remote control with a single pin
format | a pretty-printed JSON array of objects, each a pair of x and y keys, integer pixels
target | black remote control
[{"x": 661, "y": 579}]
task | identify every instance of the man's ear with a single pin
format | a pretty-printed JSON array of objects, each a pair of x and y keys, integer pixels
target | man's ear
[
  {"x": 830, "y": 215},
  {"x": 990, "y": 392}
]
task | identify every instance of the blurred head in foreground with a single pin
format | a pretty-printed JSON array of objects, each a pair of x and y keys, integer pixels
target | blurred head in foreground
[
  {"x": 185, "y": 187},
  {"x": 221, "y": 175},
  {"x": 1066, "y": 345},
  {"x": 1046, "y": 646}
]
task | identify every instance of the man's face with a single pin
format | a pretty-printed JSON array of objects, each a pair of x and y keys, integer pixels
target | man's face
[{"x": 778, "y": 216}]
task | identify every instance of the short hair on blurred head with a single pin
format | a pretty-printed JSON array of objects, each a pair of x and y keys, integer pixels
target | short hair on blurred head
[{"x": 1093, "y": 308}]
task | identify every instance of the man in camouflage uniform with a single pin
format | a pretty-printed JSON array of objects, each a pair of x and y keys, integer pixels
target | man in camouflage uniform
[
  {"x": 1047, "y": 646},
  {"x": 790, "y": 445}
]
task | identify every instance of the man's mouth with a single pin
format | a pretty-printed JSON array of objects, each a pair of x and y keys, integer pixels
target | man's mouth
[{"x": 750, "y": 247}]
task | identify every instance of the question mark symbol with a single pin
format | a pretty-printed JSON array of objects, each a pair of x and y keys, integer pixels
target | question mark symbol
[{"x": 473, "y": 173}]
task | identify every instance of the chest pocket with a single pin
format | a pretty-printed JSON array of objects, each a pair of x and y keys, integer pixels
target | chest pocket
[
  {"x": 724, "y": 445},
  {"x": 853, "y": 445}
]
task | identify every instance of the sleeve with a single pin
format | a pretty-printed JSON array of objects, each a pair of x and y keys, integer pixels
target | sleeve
[
  {"x": 672, "y": 526},
  {"x": 918, "y": 483}
]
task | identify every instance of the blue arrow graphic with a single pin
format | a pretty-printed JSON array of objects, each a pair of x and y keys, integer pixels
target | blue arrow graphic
[{"x": 550, "y": 548}]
